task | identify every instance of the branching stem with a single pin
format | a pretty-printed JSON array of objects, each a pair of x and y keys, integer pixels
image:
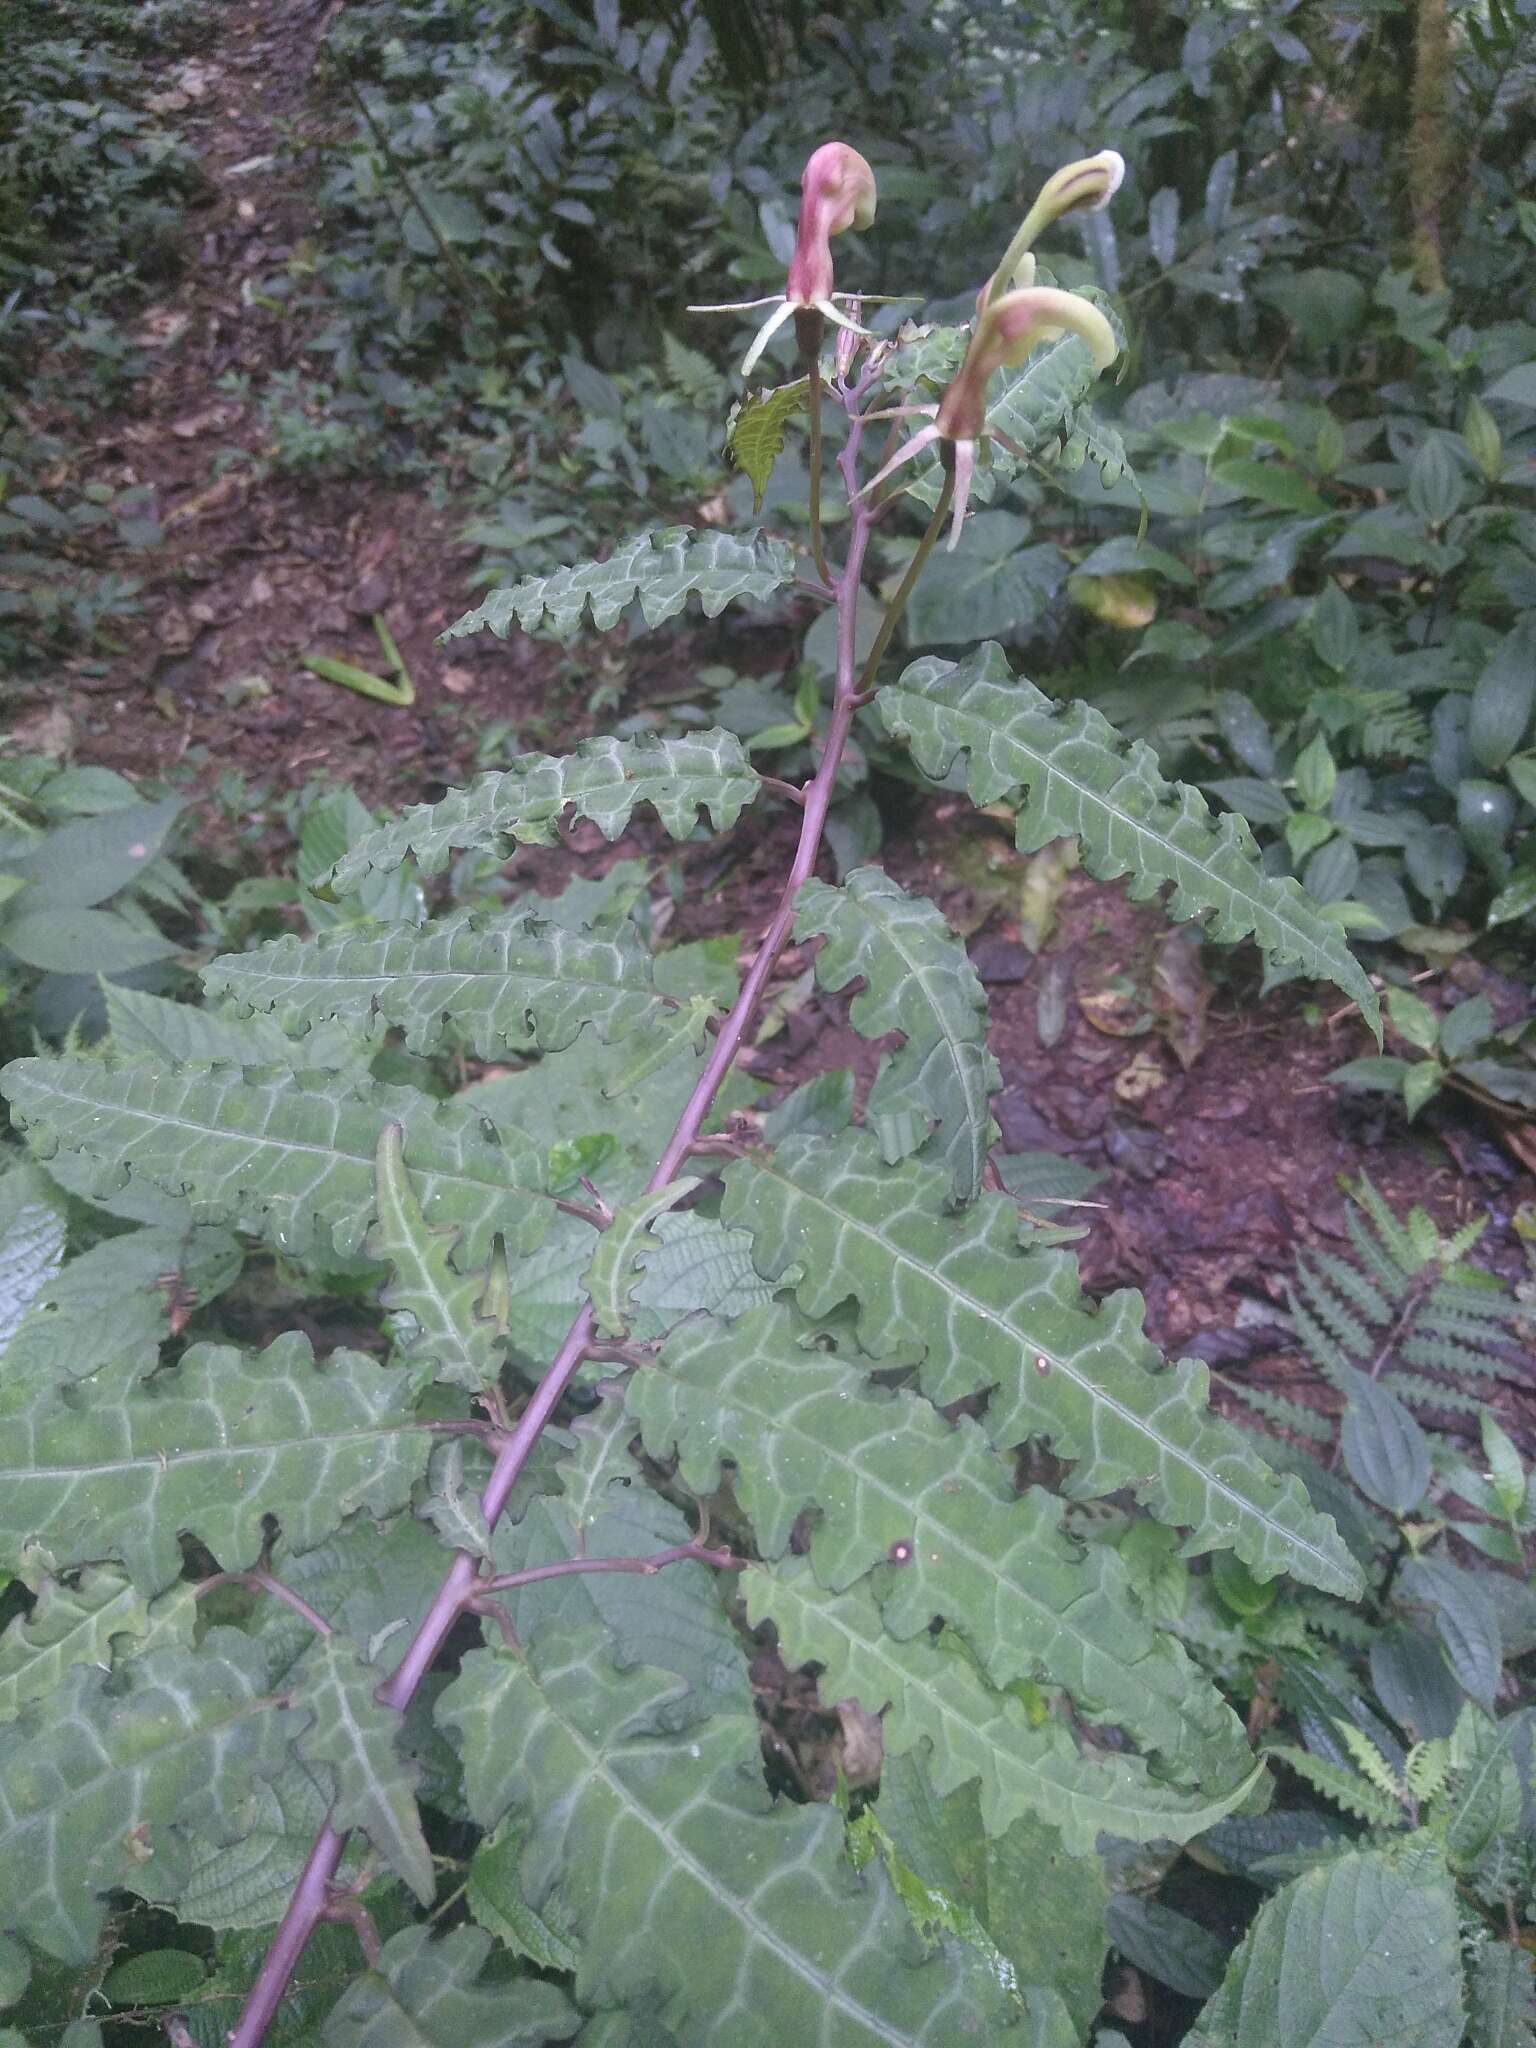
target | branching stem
[
  {"x": 647, "y": 1567},
  {"x": 263, "y": 1582},
  {"x": 462, "y": 1584}
]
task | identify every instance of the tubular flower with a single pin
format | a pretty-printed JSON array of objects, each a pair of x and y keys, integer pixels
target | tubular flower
[
  {"x": 837, "y": 192},
  {"x": 1007, "y": 329}
]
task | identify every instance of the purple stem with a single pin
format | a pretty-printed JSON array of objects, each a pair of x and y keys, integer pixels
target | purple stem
[
  {"x": 264, "y": 1582},
  {"x": 462, "y": 1582},
  {"x": 563, "y": 1567}
]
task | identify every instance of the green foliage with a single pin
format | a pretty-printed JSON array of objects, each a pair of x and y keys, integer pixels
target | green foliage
[
  {"x": 1068, "y": 772},
  {"x": 1367, "y": 1945},
  {"x": 659, "y": 571},
  {"x": 603, "y": 781}
]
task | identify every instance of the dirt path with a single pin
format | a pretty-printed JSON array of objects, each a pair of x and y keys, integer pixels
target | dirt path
[{"x": 256, "y": 568}]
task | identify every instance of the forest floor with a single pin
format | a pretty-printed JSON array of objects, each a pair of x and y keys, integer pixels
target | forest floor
[{"x": 1222, "y": 1146}]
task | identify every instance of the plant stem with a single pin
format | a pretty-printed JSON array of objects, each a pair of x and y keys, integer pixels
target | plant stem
[
  {"x": 264, "y": 1582},
  {"x": 898, "y": 603},
  {"x": 462, "y": 1583},
  {"x": 818, "y": 552}
]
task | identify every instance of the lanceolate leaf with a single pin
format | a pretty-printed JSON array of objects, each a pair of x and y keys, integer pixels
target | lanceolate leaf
[
  {"x": 1365, "y": 1949},
  {"x": 290, "y": 1154},
  {"x": 993, "y": 1316},
  {"x": 452, "y": 1340},
  {"x": 919, "y": 982},
  {"x": 354, "y": 1742},
  {"x": 661, "y": 568},
  {"x": 104, "y": 1783},
  {"x": 929, "y": 1504},
  {"x": 426, "y": 1993},
  {"x": 679, "y": 1876},
  {"x": 603, "y": 780},
  {"x": 936, "y": 1701},
  {"x": 119, "y": 1469},
  {"x": 512, "y": 983},
  {"x": 1070, "y": 772}
]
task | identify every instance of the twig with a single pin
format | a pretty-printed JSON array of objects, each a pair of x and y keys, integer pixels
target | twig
[
  {"x": 262, "y": 1580},
  {"x": 898, "y": 603},
  {"x": 349, "y": 1911},
  {"x": 645, "y": 1567}
]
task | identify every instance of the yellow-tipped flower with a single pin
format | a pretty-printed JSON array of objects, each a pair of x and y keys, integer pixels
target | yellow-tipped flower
[
  {"x": 1084, "y": 187},
  {"x": 1006, "y": 331},
  {"x": 837, "y": 192}
]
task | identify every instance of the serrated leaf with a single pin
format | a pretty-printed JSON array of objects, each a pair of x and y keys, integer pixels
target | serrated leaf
[
  {"x": 1365, "y": 1949},
  {"x": 937, "y": 1703},
  {"x": 993, "y": 1315},
  {"x": 103, "y": 1783},
  {"x": 679, "y": 1876},
  {"x": 174, "y": 1032},
  {"x": 291, "y": 1155},
  {"x": 1070, "y": 772},
  {"x": 603, "y": 780},
  {"x": 426, "y": 1993},
  {"x": 925, "y": 1505},
  {"x": 158, "y": 1976},
  {"x": 246, "y": 1882},
  {"x": 674, "y": 1619},
  {"x": 918, "y": 981},
  {"x": 353, "y": 1741},
  {"x": 209, "y": 1447},
  {"x": 67, "y": 1625},
  {"x": 660, "y": 568},
  {"x": 509, "y": 983},
  {"x": 446, "y": 1336},
  {"x": 754, "y": 434},
  {"x": 1384, "y": 1448},
  {"x": 1503, "y": 1998},
  {"x": 628, "y": 1239}
]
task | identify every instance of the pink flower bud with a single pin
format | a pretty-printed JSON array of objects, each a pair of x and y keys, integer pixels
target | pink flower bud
[{"x": 837, "y": 192}]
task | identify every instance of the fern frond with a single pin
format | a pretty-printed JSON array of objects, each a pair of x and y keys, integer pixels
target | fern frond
[
  {"x": 1281, "y": 1409},
  {"x": 1069, "y": 771},
  {"x": 1369, "y": 1761},
  {"x": 1382, "y": 1268},
  {"x": 1329, "y": 1357},
  {"x": 1396, "y": 1239},
  {"x": 1420, "y": 1392},
  {"x": 1348, "y": 1332},
  {"x": 660, "y": 569},
  {"x": 1352, "y": 1794},
  {"x": 1366, "y": 1298}
]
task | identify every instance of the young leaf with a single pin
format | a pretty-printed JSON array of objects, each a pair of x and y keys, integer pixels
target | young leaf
[
  {"x": 918, "y": 981},
  {"x": 292, "y": 1155},
  {"x": 209, "y": 1447},
  {"x": 510, "y": 983},
  {"x": 994, "y": 1316},
  {"x": 101, "y": 1788},
  {"x": 661, "y": 568},
  {"x": 1366, "y": 1948},
  {"x": 603, "y": 780},
  {"x": 1070, "y": 772},
  {"x": 676, "y": 1872},
  {"x": 754, "y": 433},
  {"x": 426, "y": 1993},
  {"x": 353, "y": 1742},
  {"x": 615, "y": 1269},
  {"x": 449, "y": 1339},
  {"x": 898, "y": 1487},
  {"x": 936, "y": 1702}
]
